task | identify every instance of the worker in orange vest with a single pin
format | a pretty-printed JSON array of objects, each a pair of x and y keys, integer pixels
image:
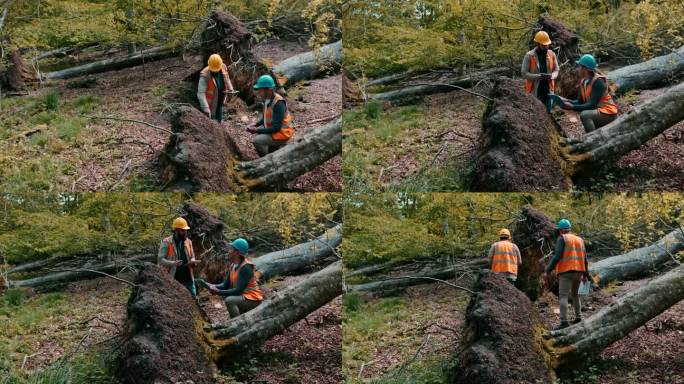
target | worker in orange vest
[
  {"x": 214, "y": 87},
  {"x": 504, "y": 256},
  {"x": 240, "y": 288},
  {"x": 570, "y": 263},
  {"x": 540, "y": 68},
  {"x": 276, "y": 121},
  {"x": 594, "y": 102},
  {"x": 177, "y": 257}
]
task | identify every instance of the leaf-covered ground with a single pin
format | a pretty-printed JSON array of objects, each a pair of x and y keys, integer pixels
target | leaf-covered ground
[{"x": 53, "y": 145}]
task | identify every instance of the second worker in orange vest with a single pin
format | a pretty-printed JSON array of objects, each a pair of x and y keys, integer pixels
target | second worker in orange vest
[
  {"x": 276, "y": 120},
  {"x": 240, "y": 288},
  {"x": 570, "y": 263},
  {"x": 504, "y": 256}
]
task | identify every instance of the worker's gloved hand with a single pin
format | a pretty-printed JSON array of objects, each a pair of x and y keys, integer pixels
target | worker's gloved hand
[
  {"x": 213, "y": 289},
  {"x": 207, "y": 112},
  {"x": 179, "y": 263},
  {"x": 545, "y": 76},
  {"x": 567, "y": 106}
]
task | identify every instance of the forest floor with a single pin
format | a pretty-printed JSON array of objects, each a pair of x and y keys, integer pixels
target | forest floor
[
  {"x": 53, "y": 144},
  {"x": 382, "y": 334},
  {"x": 429, "y": 146},
  {"x": 86, "y": 317}
]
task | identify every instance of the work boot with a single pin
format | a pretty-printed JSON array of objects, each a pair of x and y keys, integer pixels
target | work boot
[
  {"x": 577, "y": 320},
  {"x": 563, "y": 324}
]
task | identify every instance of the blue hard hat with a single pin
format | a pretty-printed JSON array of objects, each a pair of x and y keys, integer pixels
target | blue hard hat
[
  {"x": 587, "y": 61},
  {"x": 265, "y": 81},
  {"x": 240, "y": 245},
  {"x": 564, "y": 224}
]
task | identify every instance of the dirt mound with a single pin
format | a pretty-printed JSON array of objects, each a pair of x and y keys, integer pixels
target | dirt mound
[
  {"x": 535, "y": 236},
  {"x": 197, "y": 156},
  {"x": 499, "y": 340},
  {"x": 206, "y": 233},
  {"x": 162, "y": 343},
  {"x": 518, "y": 144}
]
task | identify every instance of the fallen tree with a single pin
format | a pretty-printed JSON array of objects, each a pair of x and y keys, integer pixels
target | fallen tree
[
  {"x": 145, "y": 56},
  {"x": 164, "y": 345},
  {"x": 521, "y": 147},
  {"x": 503, "y": 328},
  {"x": 309, "y": 65},
  {"x": 17, "y": 75},
  {"x": 638, "y": 262},
  {"x": 653, "y": 73},
  {"x": 301, "y": 155}
]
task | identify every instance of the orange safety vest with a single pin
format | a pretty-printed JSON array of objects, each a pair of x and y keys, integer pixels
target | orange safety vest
[
  {"x": 606, "y": 104},
  {"x": 574, "y": 255},
  {"x": 534, "y": 68},
  {"x": 171, "y": 254},
  {"x": 286, "y": 129},
  {"x": 504, "y": 258},
  {"x": 211, "y": 92},
  {"x": 252, "y": 291}
]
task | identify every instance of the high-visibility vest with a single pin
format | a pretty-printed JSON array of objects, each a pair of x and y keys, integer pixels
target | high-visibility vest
[
  {"x": 286, "y": 131},
  {"x": 606, "y": 104},
  {"x": 252, "y": 291},
  {"x": 211, "y": 91},
  {"x": 573, "y": 256},
  {"x": 534, "y": 68},
  {"x": 172, "y": 255},
  {"x": 504, "y": 258}
]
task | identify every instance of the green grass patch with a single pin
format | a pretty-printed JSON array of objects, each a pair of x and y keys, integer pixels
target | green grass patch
[
  {"x": 51, "y": 101},
  {"x": 427, "y": 371}
]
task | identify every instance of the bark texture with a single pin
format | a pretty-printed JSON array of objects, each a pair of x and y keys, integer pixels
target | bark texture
[
  {"x": 309, "y": 65},
  {"x": 17, "y": 75},
  {"x": 298, "y": 157},
  {"x": 653, "y": 73}
]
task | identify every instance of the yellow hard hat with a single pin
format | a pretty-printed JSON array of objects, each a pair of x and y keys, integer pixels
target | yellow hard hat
[
  {"x": 215, "y": 62},
  {"x": 542, "y": 38},
  {"x": 505, "y": 232},
  {"x": 180, "y": 223}
]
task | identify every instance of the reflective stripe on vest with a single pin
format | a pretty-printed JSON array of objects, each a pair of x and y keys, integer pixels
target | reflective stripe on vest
[
  {"x": 606, "y": 104},
  {"x": 286, "y": 130},
  {"x": 573, "y": 256},
  {"x": 504, "y": 258},
  {"x": 252, "y": 291},
  {"x": 534, "y": 68}
]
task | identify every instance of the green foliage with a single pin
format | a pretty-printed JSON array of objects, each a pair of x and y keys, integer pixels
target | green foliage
[
  {"x": 82, "y": 369},
  {"x": 14, "y": 297},
  {"x": 428, "y": 371},
  {"x": 402, "y": 226},
  {"x": 51, "y": 101}
]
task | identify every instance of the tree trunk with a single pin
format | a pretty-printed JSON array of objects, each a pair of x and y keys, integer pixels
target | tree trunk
[
  {"x": 18, "y": 75},
  {"x": 309, "y": 65},
  {"x": 165, "y": 345},
  {"x": 572, "y": 346},
  {"x": 82, "y": 272},
  {"x": 153, "y": 54},
  {"x": 605, "y": 145},
  {"x": 638, "y": 262},
  {"x": 299, "y": 257},
  {"x": 246, "y": 333},
  {"x": 411, "y": 93},
  {"x": 521, "y": 147},
  {"x": 424, "y": 277},
  {"x": 649, "y": 74},
  {"x": 227, "y": 36},
  {"x": 298, "y": 157}
]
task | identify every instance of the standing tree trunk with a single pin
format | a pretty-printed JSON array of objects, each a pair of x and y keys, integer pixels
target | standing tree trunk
[
  {"x": 299, "y": 156},
  {"x": 309, "y": 65}
]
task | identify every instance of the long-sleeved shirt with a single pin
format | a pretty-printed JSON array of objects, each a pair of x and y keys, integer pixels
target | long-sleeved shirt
[
  {"x": 597, "y": 91},
  {"x": 244, "y": 276},
  {"x": 515, "y": 250},
  {"x": 558, "y": 253},
  {"x": 279, "y": 110}
]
